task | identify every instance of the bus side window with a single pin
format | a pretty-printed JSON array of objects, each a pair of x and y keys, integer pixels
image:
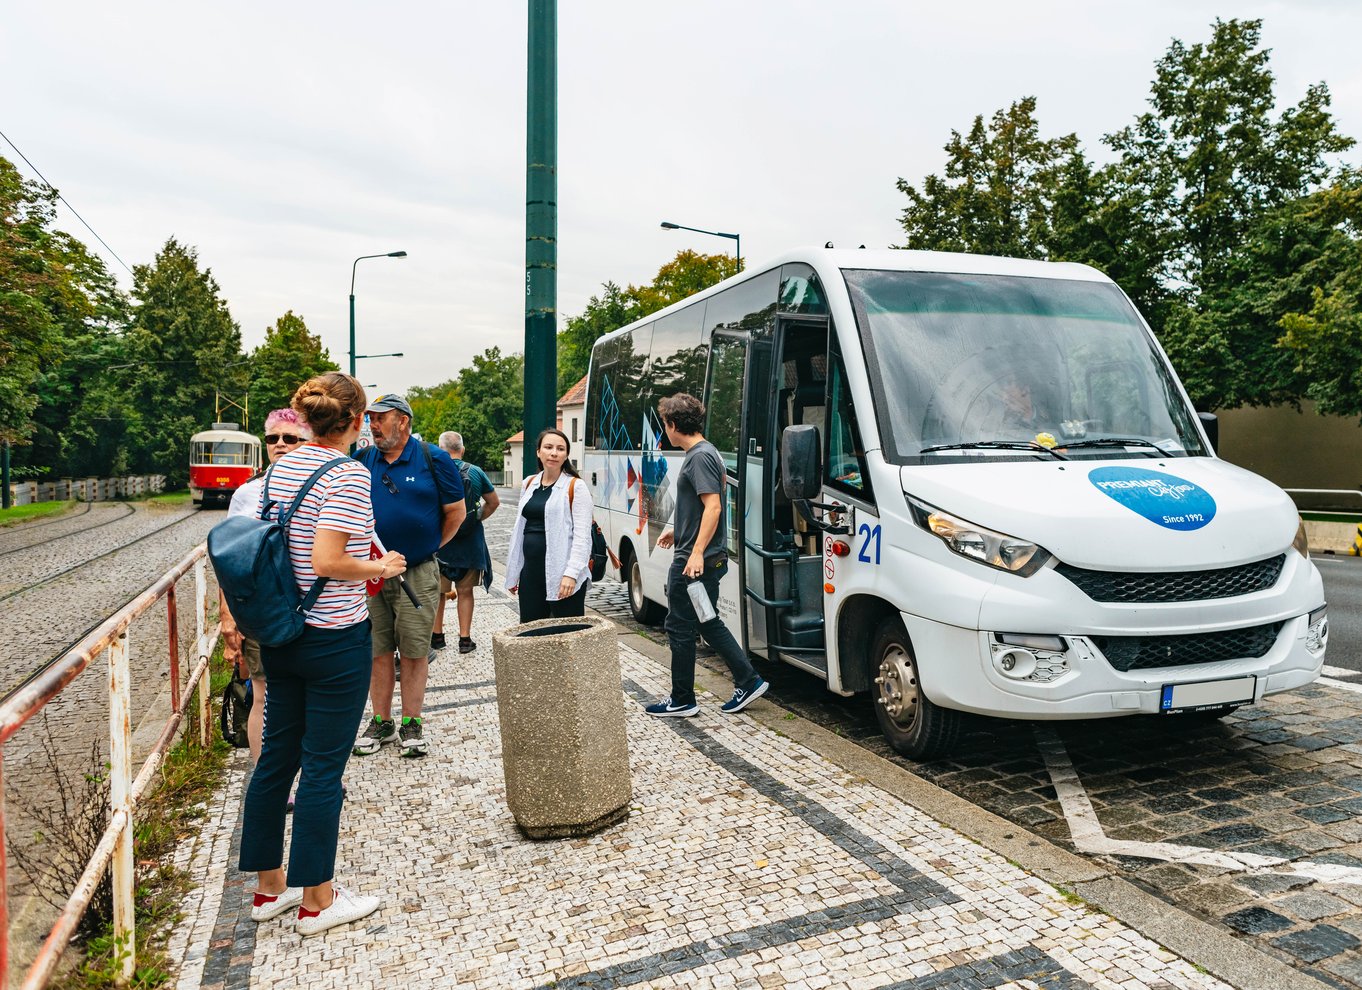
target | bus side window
[
  {"x": 846, "y": 456},
  {"x": 723, "y": 398}
]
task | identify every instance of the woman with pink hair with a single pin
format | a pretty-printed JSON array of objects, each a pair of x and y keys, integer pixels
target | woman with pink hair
[{"x": 284, "y": 432}]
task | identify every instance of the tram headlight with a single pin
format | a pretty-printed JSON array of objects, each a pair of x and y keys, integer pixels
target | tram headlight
[{"x": 979, "y": 543}]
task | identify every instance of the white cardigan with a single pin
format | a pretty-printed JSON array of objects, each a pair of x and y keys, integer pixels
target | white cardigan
[{"x": 567, "y": 535}]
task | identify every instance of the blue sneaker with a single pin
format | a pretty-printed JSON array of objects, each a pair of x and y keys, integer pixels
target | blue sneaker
[
  {"x": 741, "y": 698},
  {"x": 666, "y": 709}
]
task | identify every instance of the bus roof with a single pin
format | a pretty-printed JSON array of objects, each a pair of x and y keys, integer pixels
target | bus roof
[{"x": 829, "y": 262}]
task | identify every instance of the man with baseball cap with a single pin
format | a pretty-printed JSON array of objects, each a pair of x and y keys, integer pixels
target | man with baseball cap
[{"x": 418, "y": 506}]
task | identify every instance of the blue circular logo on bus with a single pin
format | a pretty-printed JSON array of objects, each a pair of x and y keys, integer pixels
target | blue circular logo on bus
[{"x": 1165, "y": 499}]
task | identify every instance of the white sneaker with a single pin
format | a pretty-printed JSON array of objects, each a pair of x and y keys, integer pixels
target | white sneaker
[
  {"x": 267, "y": 906},
  {"x": 345, "y": 908}
]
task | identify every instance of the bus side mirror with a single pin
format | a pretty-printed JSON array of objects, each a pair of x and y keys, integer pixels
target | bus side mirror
[
  {"x": 1211, "y": 424},
  {"x": 801, "y": 467}
]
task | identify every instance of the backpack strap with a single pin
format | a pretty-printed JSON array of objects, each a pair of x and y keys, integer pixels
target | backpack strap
[
  {"x": 572, "y": 486},
  {"x": 315, "y": 592},
  {"x": 430, "y": 466}
]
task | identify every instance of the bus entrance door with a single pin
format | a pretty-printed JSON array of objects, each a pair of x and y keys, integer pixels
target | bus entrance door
[{"x": 783, "y": 581}]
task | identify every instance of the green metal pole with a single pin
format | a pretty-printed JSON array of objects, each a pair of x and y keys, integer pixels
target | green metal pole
[
  {"x": 541, "y": 226},
  {"x": 352, "y": 335},
  {"x": 4, "y": 477}
]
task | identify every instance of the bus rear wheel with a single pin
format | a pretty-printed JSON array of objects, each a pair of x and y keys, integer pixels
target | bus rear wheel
[
  {"x": 644, "y": 610},
  {"x": 910, "y": 722}
]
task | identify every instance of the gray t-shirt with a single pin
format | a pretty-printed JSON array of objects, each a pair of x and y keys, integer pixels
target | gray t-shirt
[{"x": 702, "y": 473}]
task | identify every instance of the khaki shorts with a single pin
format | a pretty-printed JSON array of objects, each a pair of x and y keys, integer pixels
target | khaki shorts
[
  {"x": 250, "y": 649},
  {"x": 470, "y": 580},
  {"x": 398, "y": 626}
]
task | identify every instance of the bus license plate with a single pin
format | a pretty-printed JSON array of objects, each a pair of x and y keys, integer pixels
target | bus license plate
[{"x": 1207, "y": 694}]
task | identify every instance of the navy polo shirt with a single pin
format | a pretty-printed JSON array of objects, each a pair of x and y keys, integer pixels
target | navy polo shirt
[{"x": 407, "y": 510}]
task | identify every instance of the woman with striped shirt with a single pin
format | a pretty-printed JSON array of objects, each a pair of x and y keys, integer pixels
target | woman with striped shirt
[{"x": 320, "y": 681}]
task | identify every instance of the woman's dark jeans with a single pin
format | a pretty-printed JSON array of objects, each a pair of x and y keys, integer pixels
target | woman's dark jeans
[
  {"x": 316, "y": 687},
  {"x": 682, "y": 625}
]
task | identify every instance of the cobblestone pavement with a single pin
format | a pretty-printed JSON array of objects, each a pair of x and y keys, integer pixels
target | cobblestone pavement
[
  {"x": 1253, "y": 822},
  {"x": 748, "y": 861},
  {"x": 43, "y": 621}
]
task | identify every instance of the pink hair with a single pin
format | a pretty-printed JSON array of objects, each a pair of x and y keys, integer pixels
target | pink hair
[{"x": 290, "y": 418}]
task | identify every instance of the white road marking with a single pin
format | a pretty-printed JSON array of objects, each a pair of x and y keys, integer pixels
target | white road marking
[
  {"x": 1089, "y": 836},
  {"x": 1339, "y": 672}
]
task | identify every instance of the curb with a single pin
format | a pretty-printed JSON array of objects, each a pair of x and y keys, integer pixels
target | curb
[{"x": 1201, "y": 943}]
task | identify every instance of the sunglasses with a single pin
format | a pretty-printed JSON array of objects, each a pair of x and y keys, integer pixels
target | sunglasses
[
  {"x": 272, "y": 438},
  {"x": 388, "y": 483}
]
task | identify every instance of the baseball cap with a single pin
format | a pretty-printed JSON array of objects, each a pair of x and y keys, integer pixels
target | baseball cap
[{"x": 390, "y": 401}]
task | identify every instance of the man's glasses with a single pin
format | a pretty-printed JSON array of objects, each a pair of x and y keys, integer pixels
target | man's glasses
[
  {"x": 388, "y": 483},
  {"x": 272, "y": 438}
]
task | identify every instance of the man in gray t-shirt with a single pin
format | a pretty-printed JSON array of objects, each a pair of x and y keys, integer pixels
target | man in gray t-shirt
[{"x": 700, "y": 557}]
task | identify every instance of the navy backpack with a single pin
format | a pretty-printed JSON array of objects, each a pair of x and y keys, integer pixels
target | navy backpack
[{"x": 250, "y": 557}]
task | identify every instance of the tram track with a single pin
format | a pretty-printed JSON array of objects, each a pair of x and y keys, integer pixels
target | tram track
[
  {"x": 90, "y": 560},
  {"x": 64, "y": 517},
  {"x": 76, "y": 532}
]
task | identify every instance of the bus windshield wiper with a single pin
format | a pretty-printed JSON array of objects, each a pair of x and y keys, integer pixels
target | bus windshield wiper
[
  {"x": 1027, "y": 445},
  {"x": 1119, "y": 442}
]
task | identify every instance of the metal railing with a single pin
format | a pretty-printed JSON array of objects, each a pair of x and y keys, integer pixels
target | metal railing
[
  {"x": 115, "y": 847},
  {"x": 1340, "y": 501}
]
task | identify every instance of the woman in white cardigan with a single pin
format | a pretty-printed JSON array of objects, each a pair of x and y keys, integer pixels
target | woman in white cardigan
[{"x": 549, "y": 564}]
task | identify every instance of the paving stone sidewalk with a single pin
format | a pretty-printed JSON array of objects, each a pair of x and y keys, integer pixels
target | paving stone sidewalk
[{"x": 748, "y": 861}]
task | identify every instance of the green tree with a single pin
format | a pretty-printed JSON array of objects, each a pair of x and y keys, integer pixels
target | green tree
[
  {"x": 1217, "y": 172},
  {"x": 289, "y": 356},
  {"x": 485, "y": 403},
  {"x": 999, "y": 190},
  {"x": 686, "y": 274},
  {"x": 188, "y": 348},
  {"x": 612, "y": 309},
  {"x": 34, "y": 292},
  {"x": 1325, "y": 336}
]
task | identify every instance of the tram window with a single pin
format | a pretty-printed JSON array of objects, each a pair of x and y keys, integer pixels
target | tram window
[{"x": 846, "y": 456}]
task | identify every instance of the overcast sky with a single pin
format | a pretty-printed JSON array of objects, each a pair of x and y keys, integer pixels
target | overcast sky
[{"x": 284, "y": 139}]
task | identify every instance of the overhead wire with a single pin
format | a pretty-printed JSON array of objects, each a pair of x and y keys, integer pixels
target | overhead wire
[{"x": 65, "y": 202}]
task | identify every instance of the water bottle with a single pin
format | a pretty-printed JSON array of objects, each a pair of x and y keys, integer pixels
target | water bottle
[{"x": 699, "y": 600}]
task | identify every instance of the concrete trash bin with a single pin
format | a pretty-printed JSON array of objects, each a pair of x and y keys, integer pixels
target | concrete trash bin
[{"x": 563, "y": 746}]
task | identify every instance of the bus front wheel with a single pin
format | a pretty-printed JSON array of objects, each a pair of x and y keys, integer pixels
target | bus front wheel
[
  {"x": 646, "y": 611},
  {"x": 913, "y": 725}
]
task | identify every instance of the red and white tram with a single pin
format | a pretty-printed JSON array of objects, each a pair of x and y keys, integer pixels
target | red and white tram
[{"x": 221, "y": 460}]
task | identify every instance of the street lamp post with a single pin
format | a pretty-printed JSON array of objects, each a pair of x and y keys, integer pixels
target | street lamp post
[
  {"x": 737, "y": 240},
  {"x": 390, "y": 254}
]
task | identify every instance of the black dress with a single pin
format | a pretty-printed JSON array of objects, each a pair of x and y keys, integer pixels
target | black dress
[{"x": 533, "y": 593}]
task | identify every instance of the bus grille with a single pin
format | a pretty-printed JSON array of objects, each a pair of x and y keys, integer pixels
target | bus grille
[
  {"x": 1147, "y": 652},
  {"x": 1176, "y": 586}
]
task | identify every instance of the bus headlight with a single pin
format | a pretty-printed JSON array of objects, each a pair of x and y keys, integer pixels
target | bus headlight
[
  {"x": 979, "y": 543},
  {"x": 1302, "y": 541},
  {"x": 1317, "y": 630}
]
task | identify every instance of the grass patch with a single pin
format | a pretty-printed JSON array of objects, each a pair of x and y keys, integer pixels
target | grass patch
[
  {"x": 173, "y": 499},
  {"x": 16, "y": 514},
  {"x": 167, "y": 817}
]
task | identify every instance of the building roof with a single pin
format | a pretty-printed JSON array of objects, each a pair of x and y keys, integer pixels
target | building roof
[
  {"x": 575, "y": 396},
  {"x": 520, "y": 435}
]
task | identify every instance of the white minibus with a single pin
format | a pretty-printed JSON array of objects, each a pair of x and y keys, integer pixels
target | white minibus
[{"x": 960, "y": 484}]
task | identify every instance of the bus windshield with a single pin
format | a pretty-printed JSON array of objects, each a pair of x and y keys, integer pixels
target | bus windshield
[{"x": 997, "y": 366}]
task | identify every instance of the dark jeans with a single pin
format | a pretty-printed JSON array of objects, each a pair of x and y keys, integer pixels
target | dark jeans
[
  {"x": 317, "y": 688},
  {"x": 682, "y": 626},
  {"x": 538, "y": 607}
]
